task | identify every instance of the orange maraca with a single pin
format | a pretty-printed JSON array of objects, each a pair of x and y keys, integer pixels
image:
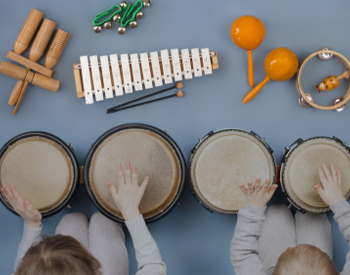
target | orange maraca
[
  {"x": 280, "y": 65},
  {"x": 247, "y": 32}
]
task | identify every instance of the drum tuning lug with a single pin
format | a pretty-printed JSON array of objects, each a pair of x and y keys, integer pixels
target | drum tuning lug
[
  {"x": 289, "y": 206},
  {"x": 69, "y": 206},
  {"x": 325, "y": 56},
  {"x": 72, "y": 148},
  {"x": 337, "y": 100}
]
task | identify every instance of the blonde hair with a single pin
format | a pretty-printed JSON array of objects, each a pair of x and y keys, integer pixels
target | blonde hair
[
  {"x": 304, "y": 259},
  {"x": 58, "y": 255}
]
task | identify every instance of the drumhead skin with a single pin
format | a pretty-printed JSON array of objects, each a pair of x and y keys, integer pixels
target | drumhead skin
[
  {"x": 43, "y": 170},
  {"x": 224, "y": 159},
  {"x": 299, "y": 172},
  {"x": 154, "y": 154}
]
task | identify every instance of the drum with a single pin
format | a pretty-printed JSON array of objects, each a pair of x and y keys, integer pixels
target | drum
[
  {"x": 43, "y": 169},
  {"x": 299, "y": 172},
  {"x": 224, "y": 159},
  {"x": 154, "y": 154}
]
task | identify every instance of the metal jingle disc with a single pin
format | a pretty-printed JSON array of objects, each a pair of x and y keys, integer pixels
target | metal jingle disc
[
  {"x": 146, "y": 3},
  {"x": 325, "y": 56},
  {"x": 337, "y": 100},
  {"x": 107, "y": 25},
  {"x": 116, "y": 18},
  {"x": 121, "y": 30},
  {"x": 97, "y": 29},
  {"x": 133, "y": 24},
  {"x": 123, "y": 5},
  {"x": 140, "y": 15},
  {"x": 303, "y": 102}
]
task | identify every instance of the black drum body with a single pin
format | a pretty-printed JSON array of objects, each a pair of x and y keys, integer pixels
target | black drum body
[
  {"x": 153, "y": 152},
  {"x": 43, "y": 168}
]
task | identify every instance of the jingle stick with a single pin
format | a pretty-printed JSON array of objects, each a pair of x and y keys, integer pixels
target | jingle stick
[
  {"x": 179, "y": 94},
  {"x": 178, "y": 85},
  {"x": 331, "y": 82},
  {"x": 280, "y": 65},
  {"x": 248, "y": 32},
  {"x": 36, "y": 51}
]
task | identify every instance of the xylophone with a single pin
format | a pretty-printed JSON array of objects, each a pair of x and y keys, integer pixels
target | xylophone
[{"x": 125, "y": 75}]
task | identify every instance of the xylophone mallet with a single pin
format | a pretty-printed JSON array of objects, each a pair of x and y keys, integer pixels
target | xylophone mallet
[{"x": 36, "y": 51}]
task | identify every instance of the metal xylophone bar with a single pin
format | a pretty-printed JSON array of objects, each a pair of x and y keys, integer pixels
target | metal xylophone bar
[{"x": 126, "y": 74}]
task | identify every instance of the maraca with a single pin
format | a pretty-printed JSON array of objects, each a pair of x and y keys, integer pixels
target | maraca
[
  {"x": 247, "y": 32},
  {"x": 280, "y": 65},
  {"x": 331, "y": 82}
]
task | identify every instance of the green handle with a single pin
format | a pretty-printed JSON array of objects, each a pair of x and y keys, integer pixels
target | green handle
[
  {"x": 103, "y": 14},
  {"x": 131, "y": 10}
]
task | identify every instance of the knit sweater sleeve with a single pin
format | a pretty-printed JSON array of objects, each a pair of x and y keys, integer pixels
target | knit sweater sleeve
[
  {"x": 244, "y": 248},
  {"x": 341, "y": 210},
  {"x": 30, "y": 237},
  {"x": 147, "y": 253}
]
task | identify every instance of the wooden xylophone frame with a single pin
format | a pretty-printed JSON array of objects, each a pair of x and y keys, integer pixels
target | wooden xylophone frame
[{"x": 79, "y": 75}]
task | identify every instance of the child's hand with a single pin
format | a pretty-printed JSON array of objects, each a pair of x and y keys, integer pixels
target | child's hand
[
  {"x": 258, "y": 195},
  {"x": 23, "y": 208},
  {"x": 129, "y": 193},
  {"x": 331, "y": 192}
]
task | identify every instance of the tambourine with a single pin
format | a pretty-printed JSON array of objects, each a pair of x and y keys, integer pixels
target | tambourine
[{"x": 306, "y": 99}]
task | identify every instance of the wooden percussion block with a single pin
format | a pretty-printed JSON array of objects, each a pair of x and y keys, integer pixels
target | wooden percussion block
[{"x": 139, "y": 72}]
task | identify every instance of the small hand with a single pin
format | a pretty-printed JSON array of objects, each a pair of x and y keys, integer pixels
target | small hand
[
  {"x": 129, "y": 193},
  {"x": 331, "y": 192},
  {"x": 23, "y": 208},
  {"x": 258, "y": 195}
]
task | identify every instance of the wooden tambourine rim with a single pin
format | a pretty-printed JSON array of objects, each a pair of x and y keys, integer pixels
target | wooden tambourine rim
[{"x": 300, "y": 89}]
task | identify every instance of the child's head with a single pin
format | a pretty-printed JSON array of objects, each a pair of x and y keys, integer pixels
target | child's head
[
  {"x": 59, "y": 255},
  {"x": 305, "y": 259}
]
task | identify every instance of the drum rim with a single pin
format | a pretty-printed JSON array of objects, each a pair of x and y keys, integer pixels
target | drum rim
[
  {"x": 200, "y": 143},
  {"x": 283, "y": 167},
  {"x": 142, "y": 126},
  {"x": 72, "y": 157}
]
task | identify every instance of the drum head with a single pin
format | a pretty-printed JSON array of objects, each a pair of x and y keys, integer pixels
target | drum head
[
  {"x": 152, "y": 152},
  {"x": 300, "y": 175},
  {"x": 41, "y": 169},
  {"x": 222, "y": 162}
]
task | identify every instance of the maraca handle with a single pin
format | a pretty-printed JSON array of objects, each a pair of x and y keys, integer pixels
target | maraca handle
[
  {"x": 15, "y": 92},
  {"x": 250, "y": 69},
  {"x": 255, "y": 91}
]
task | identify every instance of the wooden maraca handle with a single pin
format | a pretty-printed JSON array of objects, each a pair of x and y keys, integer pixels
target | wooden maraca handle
[
  {"x": 250, "y": 69},
  {"x": 16, "y": 92},
  {"x": 343, "y": 75},
  {"x": 255, "y": 91}
]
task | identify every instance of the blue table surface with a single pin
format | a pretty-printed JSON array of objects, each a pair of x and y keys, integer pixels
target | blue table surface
[{"x": 191, "y": 240}]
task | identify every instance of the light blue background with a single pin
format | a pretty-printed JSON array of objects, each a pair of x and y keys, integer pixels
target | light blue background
[{"x": 191, "y": 240}]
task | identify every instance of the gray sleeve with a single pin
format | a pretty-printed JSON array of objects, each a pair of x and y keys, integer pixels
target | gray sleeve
[
  {"x": 30, "y": 237},
  {"x": 147, "y": 253},
  {"x": 341, "y": 210},
  {"x": 244, "y": 248}
]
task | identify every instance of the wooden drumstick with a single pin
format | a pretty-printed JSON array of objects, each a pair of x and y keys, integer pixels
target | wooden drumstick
[
  {"x": 28, "y": 30},
  {"x": 36, "y": 51},
  {"x": 179, "y": 94}
]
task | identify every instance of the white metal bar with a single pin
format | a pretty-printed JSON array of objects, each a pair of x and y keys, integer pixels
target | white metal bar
[
  {"x": 175, "y": 59},
  {"x": 136, "y": 73},
  {"x": 146, "y": 71},
  {"x": 85, "y": 72},
  {"x": 157, "y": 74},
  {"x": 166, "y": 66},
  {"x": 106, "y": 75},
  {"x": 126, "y": 73}
]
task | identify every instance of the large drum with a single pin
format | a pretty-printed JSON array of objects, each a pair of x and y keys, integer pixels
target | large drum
[
  {"x": 224, "y": 159},
  {"x": 42, "y": 168},
  {"x": 299, "y": 172},
  {"x": 154, "y": 154}
]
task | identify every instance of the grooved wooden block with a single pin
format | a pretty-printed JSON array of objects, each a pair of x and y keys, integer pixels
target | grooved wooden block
[{"x": 56, "y": 48}]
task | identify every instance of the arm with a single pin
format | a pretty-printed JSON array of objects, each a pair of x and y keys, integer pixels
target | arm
[
  {"x": 341, "y": 210},
  {"x": 244, "y": 248},
  {"x": 32, "y": 220},
  {"x": 332, "y": 194},
  {"x": 147, "y": 252},
  {"x": 127, "y": 198}
]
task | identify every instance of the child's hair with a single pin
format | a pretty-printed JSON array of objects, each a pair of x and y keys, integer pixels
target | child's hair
[
  {"x": 304, "y": 259},
  {"x": 58, "y": 255}
]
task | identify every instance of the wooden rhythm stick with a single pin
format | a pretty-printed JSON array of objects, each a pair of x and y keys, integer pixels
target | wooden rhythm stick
[
  {"x": 138, "y": 72},
  {"x": 36, "y": 51}
]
